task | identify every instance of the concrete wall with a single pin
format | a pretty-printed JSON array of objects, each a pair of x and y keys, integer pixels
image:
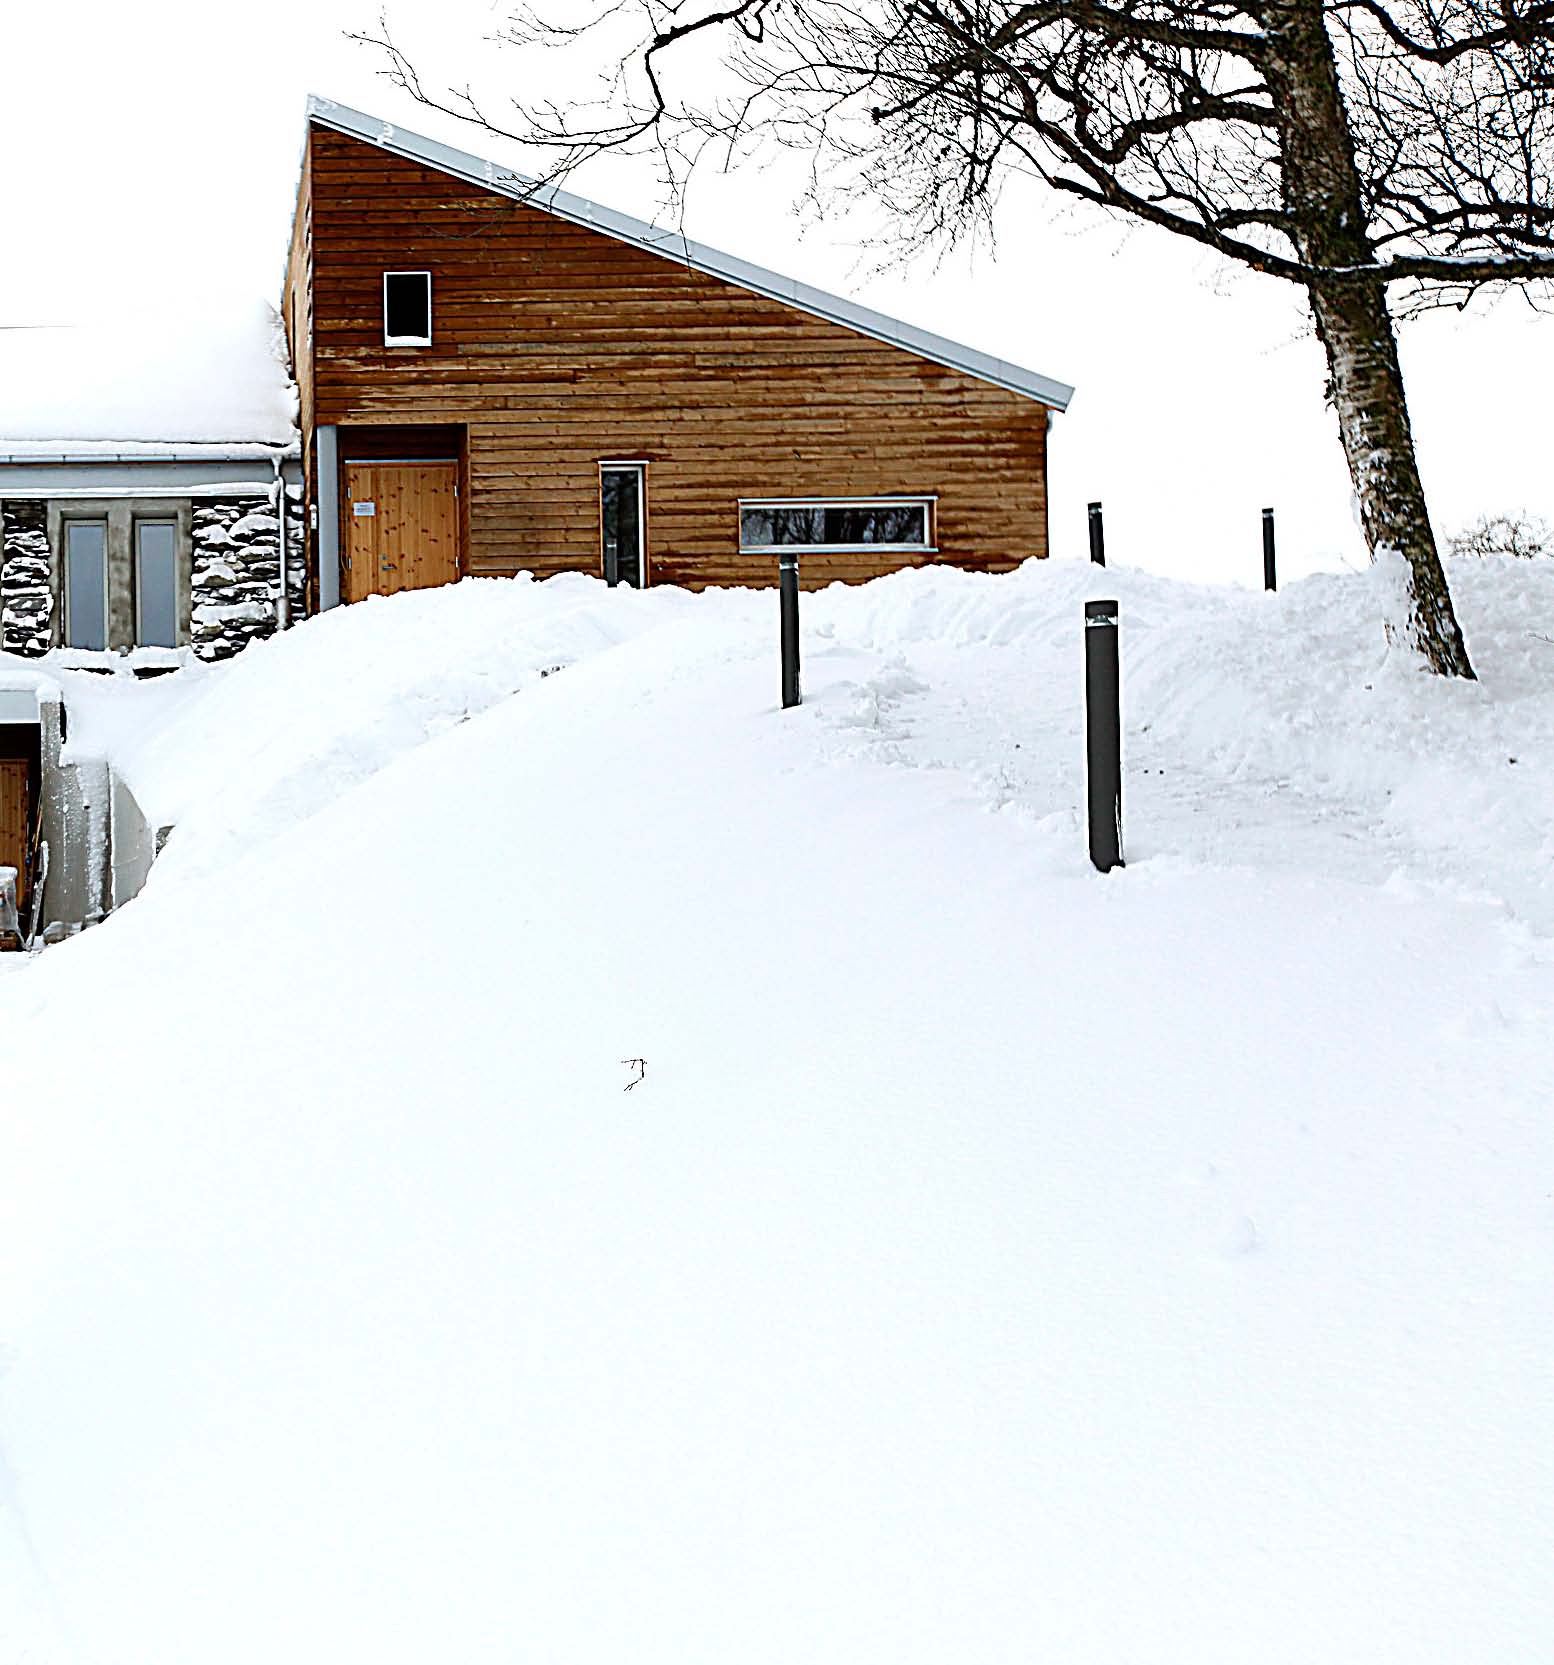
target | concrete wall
[
  {"x": 134, "y": 844},
  {"x": 77, "y": 814},
  {"x": 98, "y": 845}
]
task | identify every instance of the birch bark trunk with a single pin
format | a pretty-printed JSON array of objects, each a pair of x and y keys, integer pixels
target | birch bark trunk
[
  {"x": 1354, "y": 323},
  {"x": 1355, "y": 328}
]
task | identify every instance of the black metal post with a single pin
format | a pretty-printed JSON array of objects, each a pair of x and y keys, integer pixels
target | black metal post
[
  {"x": 1270, "y": 576},
  {"x": 1103, "y": 734},
  {"x": 1097, "y": 536},
  {"x": 788, "y": 587}
]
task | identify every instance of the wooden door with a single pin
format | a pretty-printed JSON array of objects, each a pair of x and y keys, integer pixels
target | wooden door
[
  {"x": 15, "y": 823},
  {"x": 401, "y": 527}
]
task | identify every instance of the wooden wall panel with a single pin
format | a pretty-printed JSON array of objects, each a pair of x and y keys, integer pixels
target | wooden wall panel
[
  {"x": 297, "y": 318},
  {"x": 297, "y": 300},
  {"x": 15, "y": 823},
  {"x": 557, "y": 346}
]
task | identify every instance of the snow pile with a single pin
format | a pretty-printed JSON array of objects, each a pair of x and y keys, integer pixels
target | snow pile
[
  {"x": 23, "y": 688},
  {"x": 193, "y": 375},
  {"x": 993, "y": 1261},
  {"x": 232, "y": 753},
  {"x": 1287, "y": 709}
]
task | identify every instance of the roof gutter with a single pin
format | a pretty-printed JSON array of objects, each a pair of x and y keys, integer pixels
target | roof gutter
[{"x": 244, "y": 452}]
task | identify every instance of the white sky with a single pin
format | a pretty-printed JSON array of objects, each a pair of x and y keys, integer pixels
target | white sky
[{"x": 152, "y": 154}]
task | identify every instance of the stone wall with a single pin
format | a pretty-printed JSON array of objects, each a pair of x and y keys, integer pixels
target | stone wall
[
  {"x": 235, "y": 570},
  {"x": 26, "y": 597}
]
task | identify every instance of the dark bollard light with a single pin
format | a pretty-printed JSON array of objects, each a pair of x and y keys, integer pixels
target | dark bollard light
[
  {"x": 1097, "y": 536},
  {"x": 1270, "y": 576},
  {"x": 788, "y": 590},
  {"x": 1103, "y": 734}
]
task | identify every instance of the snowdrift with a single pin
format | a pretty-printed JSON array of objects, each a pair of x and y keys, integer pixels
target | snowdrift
[{"x": 994, "y": 1261}]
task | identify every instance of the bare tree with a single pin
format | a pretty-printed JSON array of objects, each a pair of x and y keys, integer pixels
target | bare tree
[{"x": 1382, "y": 154}]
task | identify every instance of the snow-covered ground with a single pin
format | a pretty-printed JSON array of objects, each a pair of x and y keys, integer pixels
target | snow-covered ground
[{"x": 995, "y": 1262}]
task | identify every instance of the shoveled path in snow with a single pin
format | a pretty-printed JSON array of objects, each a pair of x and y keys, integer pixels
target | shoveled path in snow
[{"x": 1276, "y": 732}]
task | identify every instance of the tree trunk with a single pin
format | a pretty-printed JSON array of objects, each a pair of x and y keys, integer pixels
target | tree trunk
[
  {"x": 1327, "y": 222},
  {"x": 1355, "y": 328}
]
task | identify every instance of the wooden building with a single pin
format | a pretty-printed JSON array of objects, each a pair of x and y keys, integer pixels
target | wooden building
[{"x": 494, "y": 379}]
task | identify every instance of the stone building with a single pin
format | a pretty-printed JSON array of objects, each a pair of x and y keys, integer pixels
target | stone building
[
  {"x": 149, "y": 513},
  {"x": 149, "y": 495}
]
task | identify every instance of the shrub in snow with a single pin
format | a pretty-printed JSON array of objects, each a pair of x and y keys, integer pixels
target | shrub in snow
[{"x": 1521, "y": 534}]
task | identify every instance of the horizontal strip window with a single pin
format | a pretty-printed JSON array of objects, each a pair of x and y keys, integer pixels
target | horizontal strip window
[{"x": 836, "y": 525}]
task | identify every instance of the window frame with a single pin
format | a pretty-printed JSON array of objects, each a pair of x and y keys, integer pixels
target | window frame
[
  {"x": 928, "y": 502},
  {"x": 407, "y": 340},
  {"x": 121, "y": 512},
  {"x": 67, "y": 523},
  {"x": 137, "y": 522},
  {"x": 639, "y": 467}
]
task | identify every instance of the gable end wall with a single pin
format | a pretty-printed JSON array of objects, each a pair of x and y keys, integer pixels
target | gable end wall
[{"x": 559, "y": 346}]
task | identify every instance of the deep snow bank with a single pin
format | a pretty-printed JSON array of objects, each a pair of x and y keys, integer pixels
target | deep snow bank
[
  {"x": 232, "y": 753},
  {"x": 996, "y": 1262},
  {"x": 1289, "y": 707}
]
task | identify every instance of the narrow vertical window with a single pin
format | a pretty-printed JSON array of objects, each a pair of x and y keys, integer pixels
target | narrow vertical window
[
  {"x": 86, "y": 584},
  {"x": 621, "y": 523},
  {"x": 407, "y": 309},
  {"x": 156, "y": 583}
]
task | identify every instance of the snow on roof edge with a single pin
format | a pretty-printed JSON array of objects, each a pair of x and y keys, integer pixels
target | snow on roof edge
[
  {"x": 673, "y": 245},
  {"x": 201, "y": 382}
]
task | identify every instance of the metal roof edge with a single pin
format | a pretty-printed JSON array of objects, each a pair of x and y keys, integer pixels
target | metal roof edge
[
  {"x": 196, "y": 452},
  {"x": 673, "y": 245}
]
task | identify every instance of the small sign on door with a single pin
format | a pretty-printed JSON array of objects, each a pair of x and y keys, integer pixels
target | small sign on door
[{"x": 361, "y": 509}]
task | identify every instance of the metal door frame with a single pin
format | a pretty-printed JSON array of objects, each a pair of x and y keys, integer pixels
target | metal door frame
[{"x": 639, "y": 467}]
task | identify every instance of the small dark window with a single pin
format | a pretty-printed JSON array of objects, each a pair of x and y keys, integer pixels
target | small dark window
[
  {"x": 835, "y": 525},
  {"x": 407, "y": 309}
]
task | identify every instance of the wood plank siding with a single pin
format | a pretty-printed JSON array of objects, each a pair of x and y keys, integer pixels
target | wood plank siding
[
  {"x": 297, "y": 302},
  {"x": 15, "y": 823},
  {"x": 555, "y": 347}
]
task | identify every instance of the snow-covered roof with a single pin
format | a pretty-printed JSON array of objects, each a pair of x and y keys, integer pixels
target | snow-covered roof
[
  {"x": 201, "y": 383},
  {"x": 674, "y": 245}
]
